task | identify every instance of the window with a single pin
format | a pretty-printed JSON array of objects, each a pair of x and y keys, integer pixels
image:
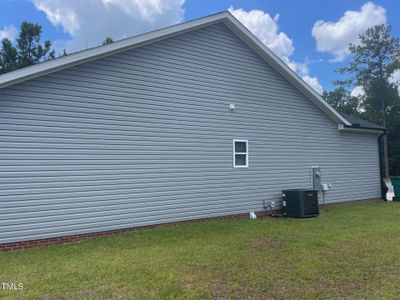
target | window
[{"x": 240, "y": 154}]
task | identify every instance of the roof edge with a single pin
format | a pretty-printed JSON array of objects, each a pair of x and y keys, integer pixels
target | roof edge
[
  {"x": 351, "y": 128},
  {"x": 91, "y": 54},
  {"x": 358, "y": 122},
  {"x": 280, "y": 66}
]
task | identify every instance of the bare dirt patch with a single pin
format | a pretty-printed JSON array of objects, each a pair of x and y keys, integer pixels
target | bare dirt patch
[{"x": 265, "y": 242}]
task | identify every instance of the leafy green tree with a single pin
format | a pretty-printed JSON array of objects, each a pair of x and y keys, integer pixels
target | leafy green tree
[
  {"x": 374, "y": 60},
  {"x": 28, "y": 49},
  {"x": 341, "y": 99},
  {"x": 394, "y": 141},
  {"x": 108, "y": 40},
  {"x": 8, "y": 57}
]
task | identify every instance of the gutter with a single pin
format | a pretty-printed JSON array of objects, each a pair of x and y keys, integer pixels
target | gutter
[
  {"x": 352, "y": 128},
  {"x": 383, "y": 185},
  {"x": 363, "y": 127}
]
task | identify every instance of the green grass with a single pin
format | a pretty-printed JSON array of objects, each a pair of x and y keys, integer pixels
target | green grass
[{"x": 351, "y": 251}]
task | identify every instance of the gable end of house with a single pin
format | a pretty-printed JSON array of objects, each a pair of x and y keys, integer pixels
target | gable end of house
[{"x": 225, "y": 17}]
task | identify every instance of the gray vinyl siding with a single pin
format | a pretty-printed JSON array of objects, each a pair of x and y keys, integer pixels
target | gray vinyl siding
[{"x": 145, "y": 137}]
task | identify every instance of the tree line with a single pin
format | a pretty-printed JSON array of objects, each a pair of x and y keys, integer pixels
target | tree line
[
  {"x": 374, "y": 61},
  {"x": 28, "y": 49}
]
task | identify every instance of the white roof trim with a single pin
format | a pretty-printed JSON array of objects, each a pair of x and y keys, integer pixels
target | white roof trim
[
  {"x": 103, "y": 51},
  {"x": 228, "y": 19},
  {"x": 283, "y": 69}
]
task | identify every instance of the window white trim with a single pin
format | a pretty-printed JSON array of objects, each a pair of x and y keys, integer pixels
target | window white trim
[{"x": 244, "y": 153}]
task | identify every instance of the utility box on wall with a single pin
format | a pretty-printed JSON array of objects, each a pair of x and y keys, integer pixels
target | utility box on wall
[{"x": 316, "y": 178}]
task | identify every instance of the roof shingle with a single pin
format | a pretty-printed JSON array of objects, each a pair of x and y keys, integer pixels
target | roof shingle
[{"x": 361, "y": 123}]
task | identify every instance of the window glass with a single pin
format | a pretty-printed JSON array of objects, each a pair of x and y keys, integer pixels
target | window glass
[{"x": 240, "y": 153}]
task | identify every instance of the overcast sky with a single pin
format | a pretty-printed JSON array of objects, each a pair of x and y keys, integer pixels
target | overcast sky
[{"x": 311, "y": 36}]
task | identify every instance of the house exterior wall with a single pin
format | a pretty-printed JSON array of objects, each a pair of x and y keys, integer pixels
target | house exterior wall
[{"x": 145, "y": 137}]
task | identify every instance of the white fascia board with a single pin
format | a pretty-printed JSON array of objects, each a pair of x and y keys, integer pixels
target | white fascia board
[
  {"x": 103, "y": 51},
  {"x": 280, "y": 66}
]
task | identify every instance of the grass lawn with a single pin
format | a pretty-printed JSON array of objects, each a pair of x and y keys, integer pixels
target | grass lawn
[{"x": 352, "y": 251}]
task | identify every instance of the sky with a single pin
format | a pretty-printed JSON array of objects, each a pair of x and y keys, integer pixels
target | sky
[{"x": 311, "y": 36}]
